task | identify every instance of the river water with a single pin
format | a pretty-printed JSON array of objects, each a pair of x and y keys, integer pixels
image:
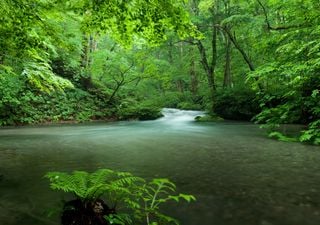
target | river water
[{"x": 238, "y": 176}]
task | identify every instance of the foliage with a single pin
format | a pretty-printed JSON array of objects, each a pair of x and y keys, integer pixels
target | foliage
[
  {"x": 176, "y": 99},
  {"x": 312, "y": 134},
  {"x": 131, "y": 109},
  {"x": 281, "y": 137},
  {"x": 148, "y": 19},
  {"x": 26, "y": 106},
  {"x": 189, "y": 106},
  {"x": 208, "y": 118},
  {"x": 155, "y": 193},
  {"x": 141, "y": 198},
  {"x": 296, "y": 103},
  {"x": 10, "y": 87},
  {"x": 39, "y": 75},
  {"x": 236, "y": 104},
  {"x": 90, "y": 187}
]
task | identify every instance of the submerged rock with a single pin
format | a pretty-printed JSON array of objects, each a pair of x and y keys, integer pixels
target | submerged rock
[{"x": 77, "y": 212}]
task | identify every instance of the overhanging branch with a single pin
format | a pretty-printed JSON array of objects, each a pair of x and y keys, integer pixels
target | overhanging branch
[{"x": 280, "y": 27}]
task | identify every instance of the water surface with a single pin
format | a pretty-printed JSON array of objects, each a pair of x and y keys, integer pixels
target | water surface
[{"x": 239, "y": 176}]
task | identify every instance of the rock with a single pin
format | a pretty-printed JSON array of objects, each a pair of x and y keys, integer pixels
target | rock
[
  {"x": 208, "y": 118},
  {"x": 78, "y": 212}
]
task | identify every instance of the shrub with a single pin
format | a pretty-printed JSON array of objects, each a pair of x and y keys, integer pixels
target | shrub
[
  {"x": 236, "y": 104},
  {"x": 141, "y": 111},
  {"x": 189, "y": 106}
]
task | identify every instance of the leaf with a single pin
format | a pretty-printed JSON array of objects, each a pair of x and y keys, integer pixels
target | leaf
[{"x": 188, "y": 198}]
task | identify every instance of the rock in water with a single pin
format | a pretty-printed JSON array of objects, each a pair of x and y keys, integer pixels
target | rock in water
[{"x": 77, "y": 212}]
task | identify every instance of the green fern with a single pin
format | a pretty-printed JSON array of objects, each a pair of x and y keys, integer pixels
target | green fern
[
  {"x": 89, "y": 187},
  {"x": 39, "y": 74},
  {"x": 139, "y": 197}
]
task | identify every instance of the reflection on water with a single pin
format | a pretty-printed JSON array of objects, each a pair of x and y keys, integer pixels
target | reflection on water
[{"x": 238, "y": 175}]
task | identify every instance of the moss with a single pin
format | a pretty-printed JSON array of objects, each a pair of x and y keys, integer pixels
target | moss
[
  {"x": 236, "y": 104},
  {"x": 138, "y": 111},
  {"x": 209, "y": 118}
]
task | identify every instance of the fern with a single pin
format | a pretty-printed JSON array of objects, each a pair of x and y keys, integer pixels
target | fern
[
  {"x": 75, "y": 183},
  {"x": 89, "y": 187},
  {"x": 39, "y": 73},
  {"x": 138, "y": 196}
]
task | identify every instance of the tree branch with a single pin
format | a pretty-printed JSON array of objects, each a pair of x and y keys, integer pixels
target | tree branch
[{"x": 281, "y": 27}]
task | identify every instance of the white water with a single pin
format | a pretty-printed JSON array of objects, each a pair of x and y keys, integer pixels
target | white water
[{"x": 176, "y": 115}]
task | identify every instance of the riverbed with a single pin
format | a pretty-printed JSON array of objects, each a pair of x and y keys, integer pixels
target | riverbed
[{"x": 238, "y": 175}]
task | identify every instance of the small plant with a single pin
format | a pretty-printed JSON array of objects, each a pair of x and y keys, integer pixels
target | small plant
[
  {"x": 152, "y": 195},
  {"x": 101, "y": 196}
]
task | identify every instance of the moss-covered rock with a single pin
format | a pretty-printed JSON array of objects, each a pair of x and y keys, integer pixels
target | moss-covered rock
[
  {"x": 236, "y": 104},
  {"x": 208, "y": 118},
  {"x": 138, "y": 111}
]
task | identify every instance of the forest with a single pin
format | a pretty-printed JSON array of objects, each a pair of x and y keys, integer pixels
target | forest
[
  {"x": 87, "y": 60},
  {"x": 195, "y": 91}
]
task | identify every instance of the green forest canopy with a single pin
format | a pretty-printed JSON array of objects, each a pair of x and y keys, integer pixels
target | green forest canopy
[{"x": 80, "y": 60}]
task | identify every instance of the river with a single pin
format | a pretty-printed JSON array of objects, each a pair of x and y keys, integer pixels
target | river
[{"x": 238, "y": 175}]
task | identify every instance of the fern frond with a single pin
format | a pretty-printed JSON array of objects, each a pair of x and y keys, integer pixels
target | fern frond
[
  {"x": 100, "y": 176},
  {"x": 75, "y": 183},
  {"x": 127, "y": 181}
]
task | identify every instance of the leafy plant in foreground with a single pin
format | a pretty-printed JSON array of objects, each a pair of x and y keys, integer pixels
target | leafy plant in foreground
[
  {"x": 153, "y": 195},
  {"x": 101, "y": 197}
]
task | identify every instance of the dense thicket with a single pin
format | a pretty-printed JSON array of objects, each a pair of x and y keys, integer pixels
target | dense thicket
[{"x": 91, "y": 59}]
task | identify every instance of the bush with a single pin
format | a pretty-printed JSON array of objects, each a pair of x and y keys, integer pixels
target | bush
[
  {"x": 140, "y": 111},
  {"x": 236, "y": 104},
  {"x": 189, "y": 106},
  {"x": 298, "y": 104},
  {"x": 180, "y": 100}
]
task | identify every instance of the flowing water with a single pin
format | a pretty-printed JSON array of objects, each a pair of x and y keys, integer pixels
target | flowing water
[{"x": 238, "y": 176}]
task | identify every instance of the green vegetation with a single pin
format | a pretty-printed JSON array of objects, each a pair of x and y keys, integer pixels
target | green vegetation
[
  {"x": 118, "y": 197},
  {"x": 208, "y": 118},
  {"x": 99, "y": 60}
]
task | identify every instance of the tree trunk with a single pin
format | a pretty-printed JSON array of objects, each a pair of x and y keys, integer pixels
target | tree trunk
[
  {"x": 207, "y": 68},
  {"x": 170, "y": 54},
  {"x": 119, "y": 84},
  {"x": 227, "y": 79},
  {"x": 214, "y": 53},
  {"x": 179, "y": 85},
  {"x": 89, "y": 46},
  {"x": 243, "y": 53},
  {"x": 240, "y": 49},
  {"x": 85, "y": 53},
  {"x": 193, "y": 74}
]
